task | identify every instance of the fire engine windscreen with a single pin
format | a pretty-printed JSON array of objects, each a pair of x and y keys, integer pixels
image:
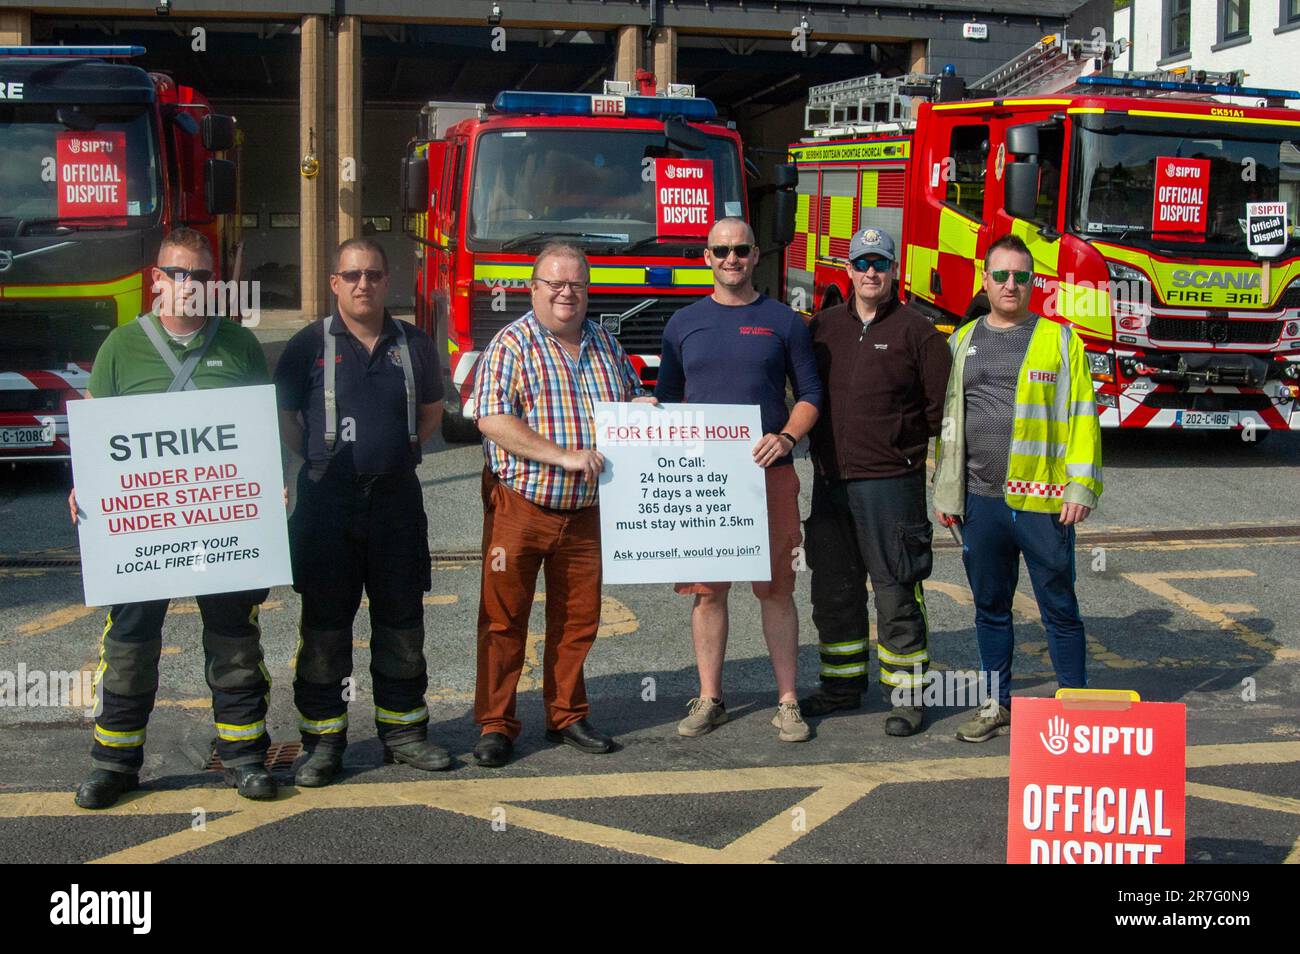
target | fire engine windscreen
[
  {"x": 29, "y": 176},
  {"x": 582, "y": 180},
  {"x": 1114, "y": 181}
]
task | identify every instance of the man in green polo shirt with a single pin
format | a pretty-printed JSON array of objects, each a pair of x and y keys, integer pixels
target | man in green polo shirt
[{"x": 172, "y": 348}]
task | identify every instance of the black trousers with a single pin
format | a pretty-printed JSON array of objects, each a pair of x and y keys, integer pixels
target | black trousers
[
  {"x": 127, "y": 679},
  {"x": 876, "y": 529},
  {"x": 351, "y": 534}
]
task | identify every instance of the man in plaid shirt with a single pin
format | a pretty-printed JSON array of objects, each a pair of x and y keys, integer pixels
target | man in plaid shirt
[{"x": 535, "y": 389}]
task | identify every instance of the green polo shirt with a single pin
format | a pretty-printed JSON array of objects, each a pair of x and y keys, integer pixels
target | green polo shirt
[{"x": 128, "y": 364}]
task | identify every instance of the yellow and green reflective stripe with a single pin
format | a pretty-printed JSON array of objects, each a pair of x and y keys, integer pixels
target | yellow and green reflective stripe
[
  {"x": 846, "y": 669},
  {"x": 902, "y": 678},
  {"x": 389, "y": 717},
  {"x": 902, "y": 659},
  {"x": 323, "y": 726},
  {"x": 119, "y": 740},
  {"x": 844, "y": 649},
  {"x": 241, "y": 733}
]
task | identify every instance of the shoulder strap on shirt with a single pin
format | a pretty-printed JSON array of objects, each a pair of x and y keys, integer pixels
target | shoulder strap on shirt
[
  {"x": 182, "y": 373},
  {"x": 331, "y": 393}
]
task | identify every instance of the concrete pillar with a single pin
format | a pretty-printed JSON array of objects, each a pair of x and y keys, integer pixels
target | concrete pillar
[
  {"x": 918, "y": 66},
  {"x": 627, "y": 58},
  {"x": 313, "y": 256},
  {"x": 15, "y": 28},
  {"x": 349, "y": 99},
  {"x": 665, "y": 51}
]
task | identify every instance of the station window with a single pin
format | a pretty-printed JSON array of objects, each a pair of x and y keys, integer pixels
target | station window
[
  {"x": 965, "y": 174},
  {"x": 1178, "y": 27},
  {"x": 1234, "y": 19}
]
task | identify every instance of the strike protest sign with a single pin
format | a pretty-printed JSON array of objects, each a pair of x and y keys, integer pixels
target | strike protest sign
[
  {"x": 184, "y": 500},
  {"x": 1182, "y": 195},
  {"x": 1096, "y": 785},
  {"x": 92, "y": 174},
  {"x": 681, "y": 499},
  {"x": 683, "y": 196},
  {"x": 1266, "y": 228}
]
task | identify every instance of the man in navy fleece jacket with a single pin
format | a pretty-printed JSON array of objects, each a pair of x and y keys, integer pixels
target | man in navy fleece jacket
[{"x": 739, "y": 347}]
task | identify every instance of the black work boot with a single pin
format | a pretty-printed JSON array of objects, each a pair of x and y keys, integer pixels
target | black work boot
[
  {"x": 418, "y": 753},
  {"x": 824, "y": 702},
  {"x": 103, "y": 788},
  {"x": 252, "y": 781},
  {"x": 321, "y": 766},
  {"x": 905, "y": 720}
]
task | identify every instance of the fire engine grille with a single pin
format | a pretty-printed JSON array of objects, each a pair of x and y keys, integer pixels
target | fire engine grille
[
  {"x": 49, "y": 334},
  {"x": 1188, "y": 401},
  {"x": 29, "y": 402},
  {"x": 1214, "y": 330},
  {"x": 642, "y": 333},
  {"x": 1291, "y": 297}
]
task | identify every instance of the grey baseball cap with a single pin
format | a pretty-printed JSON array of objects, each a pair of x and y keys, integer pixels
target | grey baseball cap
[{"x": 872, "y": 242}]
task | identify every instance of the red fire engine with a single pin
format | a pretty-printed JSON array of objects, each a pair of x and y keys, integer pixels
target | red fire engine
[
  {"x": 1131, "y": 191},
  {"x": 488, "y": 188},
  {"x": 98, "y": 161}
]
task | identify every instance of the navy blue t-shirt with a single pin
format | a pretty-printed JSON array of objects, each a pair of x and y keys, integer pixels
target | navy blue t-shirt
[
  {"x": 371, "y": 395},
  {"x": 739, "y": 354}
]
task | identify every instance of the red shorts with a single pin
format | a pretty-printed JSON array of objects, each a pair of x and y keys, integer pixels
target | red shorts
[{"x": 784, "y": 536}]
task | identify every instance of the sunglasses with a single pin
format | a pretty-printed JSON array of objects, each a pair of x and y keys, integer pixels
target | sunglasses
[
  {"x": 863, "y": 264},
  {"x": 557, "y": 287},
  {"x": 722, "y": 251},
  {"x": 178, "y": 274},
  {"x": 1000, "y": 275},
  {"x": 353, "y": 275}
]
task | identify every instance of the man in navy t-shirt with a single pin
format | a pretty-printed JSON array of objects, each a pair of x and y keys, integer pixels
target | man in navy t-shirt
[{"x": 739, "y": 347}]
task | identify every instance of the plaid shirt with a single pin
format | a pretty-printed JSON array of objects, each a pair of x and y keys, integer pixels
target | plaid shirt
[{"x": 527, "y": 373}]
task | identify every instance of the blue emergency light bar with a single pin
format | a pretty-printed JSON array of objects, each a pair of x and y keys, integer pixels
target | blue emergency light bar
[
  {"x": 105, "y": 52},
  {"x": 582, "y": 104},
  {"x": 1217, "y": 89}
]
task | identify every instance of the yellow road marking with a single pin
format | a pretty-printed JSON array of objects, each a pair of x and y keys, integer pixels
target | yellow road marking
[
  {"x": 839, "y": 785},
  {"x": 54, "y": 619},
  {"x": 1214, "y": 613}
]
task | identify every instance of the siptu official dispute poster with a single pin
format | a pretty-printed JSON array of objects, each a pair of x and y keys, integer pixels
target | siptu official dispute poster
[
  {"x": 681, "y": 499},
  {"x": 179, "y": 494}
]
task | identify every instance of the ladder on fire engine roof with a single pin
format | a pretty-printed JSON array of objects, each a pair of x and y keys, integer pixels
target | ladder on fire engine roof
[
  {"x": 1051, "y": 65},
  {"x": 880, "y": 104}
]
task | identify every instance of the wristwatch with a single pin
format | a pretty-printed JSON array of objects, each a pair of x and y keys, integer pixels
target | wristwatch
[{"x": 792, "y": 441}]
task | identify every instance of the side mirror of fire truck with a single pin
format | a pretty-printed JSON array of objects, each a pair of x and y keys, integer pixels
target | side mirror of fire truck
[
  {"x": 219, "y": 187},
  {"x": 415, "y": 185},
  {"x": 677, "y": 132},
  {"x": 1021, "y": 196},
  {"x": 218, "y": 132},
  {"x": 784, "y": 178}
]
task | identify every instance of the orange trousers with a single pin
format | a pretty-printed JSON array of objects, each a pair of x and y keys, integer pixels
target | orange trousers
[{"x": 519, "y": 539}]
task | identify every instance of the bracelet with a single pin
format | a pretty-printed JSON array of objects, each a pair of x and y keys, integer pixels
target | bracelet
[{"x": 792, "y": 441}]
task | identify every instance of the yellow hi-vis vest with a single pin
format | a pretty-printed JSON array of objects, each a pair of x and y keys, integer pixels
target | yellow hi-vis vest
[{"x": 1055, "y": 454}]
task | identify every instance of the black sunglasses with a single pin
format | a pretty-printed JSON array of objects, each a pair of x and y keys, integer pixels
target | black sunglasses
[
  {"x": 178, "y": 274},
  {"x": 722, "y": 251},
  {"x": 862, "y": 263},
  {"x": 353, "y": 275}
]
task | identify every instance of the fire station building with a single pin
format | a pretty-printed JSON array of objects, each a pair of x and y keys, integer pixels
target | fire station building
[{"x": 327, "y": 93}]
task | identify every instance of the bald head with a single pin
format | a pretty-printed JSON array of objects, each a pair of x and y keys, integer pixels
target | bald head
[{"x": 732, "y": 226}]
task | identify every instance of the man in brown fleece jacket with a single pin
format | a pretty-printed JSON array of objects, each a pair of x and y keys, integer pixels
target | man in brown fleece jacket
[{"x": 884, "y": 370}]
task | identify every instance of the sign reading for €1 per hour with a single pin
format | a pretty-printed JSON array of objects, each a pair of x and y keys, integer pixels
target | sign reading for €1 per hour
[
  {"x": 185, "y": 499},
  {"x": 92, "y": 174},
  {"x": 683, "y": 196},
  {"x": 1093, "y": 785},
  {"x": 681, "y": 499}
]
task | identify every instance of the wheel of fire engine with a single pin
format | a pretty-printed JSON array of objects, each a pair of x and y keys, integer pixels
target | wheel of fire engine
[
  {"x": 833, "y": 298},
  {"x": 979, "y": 307},
  {"x": 457, "y": 430}
]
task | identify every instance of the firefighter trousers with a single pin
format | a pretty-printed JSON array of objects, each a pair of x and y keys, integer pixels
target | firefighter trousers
[
  {"x": 126, "y": 681},
  {"x": 876, "y": 529},
  {"x": 349, "y": 534}
]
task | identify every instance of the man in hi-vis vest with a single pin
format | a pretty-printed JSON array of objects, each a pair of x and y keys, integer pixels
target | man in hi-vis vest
[
  {"x": 1019, "y": 465},
  {"x": 171, "y": 348}
]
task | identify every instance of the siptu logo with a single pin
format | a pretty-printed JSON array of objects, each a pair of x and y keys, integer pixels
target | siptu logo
[
  {"x": 74, "y": 907},
  {"x": 1057, "y": 739}
]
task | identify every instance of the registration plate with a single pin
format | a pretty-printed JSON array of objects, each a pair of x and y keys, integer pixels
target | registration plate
[
  {"x": 1207, "y": 419},
  {"x": 35, "y": 436}
]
